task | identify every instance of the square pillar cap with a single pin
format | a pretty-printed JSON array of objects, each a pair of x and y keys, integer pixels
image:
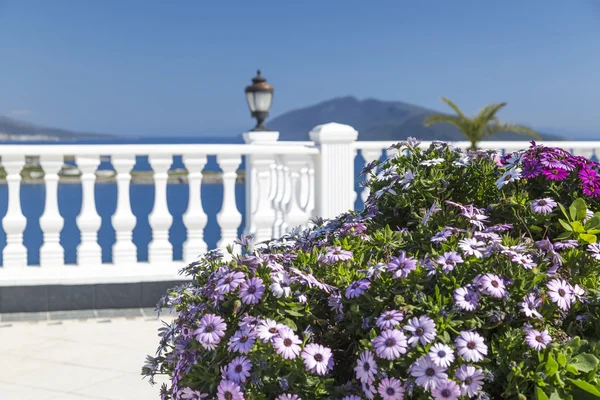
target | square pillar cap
[{"x": 333, "y": 133}]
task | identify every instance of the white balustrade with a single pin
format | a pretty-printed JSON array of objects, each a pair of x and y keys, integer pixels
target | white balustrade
[
  {"x": 194, "y": 218},
  {"x": 296, "y": 210},
  {"x": 160, "y": 249},
  {"x": 368, "y": 155},
  {"x": 52, "y": 253},
  {"x": 124, "y": 251},
  {"x": 89, "y": 252},
  {"x": 229, "y": 218},
  {"x": 14, "y": 222}
]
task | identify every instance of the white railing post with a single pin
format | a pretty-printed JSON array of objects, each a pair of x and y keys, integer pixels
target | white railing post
[
  {"x": 260, "y": 216},
  {"x": 160, "y": 249},
  {"x": 123, "y": 220},
  {"x": 52, "y": 253},
  {"x": 194, "y": 218},
  {"x": 89, "y": 251},
  {"x": 14, "y": 222},
  {"x": 334, "y": 169},
  {"x": 229, "y": 218}
]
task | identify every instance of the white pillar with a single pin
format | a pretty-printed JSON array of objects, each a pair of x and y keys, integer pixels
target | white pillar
[
  {"x": 368, "y": 155},
  {"x": 124, "y": 251},
  {"x": 52, "y": 253},
  {"x": 260, "y": 215},
  {"x": 229, "y": 218},
  {"x": 89, "y": 251},
  {"x": 298, "y": 199},
  {"x": 194, "y": 218},
  {"x": 334, "y": 169},
  {"x": 160, "y": 249},
  {"x": 14, "y": 222}
]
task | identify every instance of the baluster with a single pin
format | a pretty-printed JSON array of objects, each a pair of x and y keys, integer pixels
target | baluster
[
  {"x": 296, "y": 214},
  {"x": 14, "y": 222},
  {"x": 123, "y": 220},
  {"x": 194, "y": 217},
  {"x": 89, "y": 251},
  {"x": 309, "y": 202},
  {"x": 368, "y": 156},
  {"x": 160, "y": 249},
  {"x": 285, "y": 201},
  {"x": 52, "y": 253},
  {"x": 279, "y": 197},
  {"x": 263, "y": 214},
  {"x": 229, "y": 218}
]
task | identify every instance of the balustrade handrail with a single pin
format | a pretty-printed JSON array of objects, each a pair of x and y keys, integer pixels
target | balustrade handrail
[
  {"x": 497, "y": 144},
  {"x": 157, "y": 149}
]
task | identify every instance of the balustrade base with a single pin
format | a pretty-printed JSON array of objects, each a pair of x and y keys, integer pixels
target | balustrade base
[{"x": 34, "y": 289}]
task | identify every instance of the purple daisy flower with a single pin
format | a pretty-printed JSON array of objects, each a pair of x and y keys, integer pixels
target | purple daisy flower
[
  {"x": 252, "y": 291},
  {"x": 390, "y": 344},
  {"x": 447, "y": 390},
  {"x": 555, "y": 174},
  {"x": 390, "y": 389},
  {"x": 351, "y": 397},
  {"x": 281, "y": 284},
  {"x": 317, "y": 358},
  {"x": 441, "y": 236},
  {"x": 287, "y": 343},
  {"x": 242, "y": 341},
  {"x": 210, "y": 331},
  {"x": 366, "y": 367},
  {"x": 529, "y": 306},
  {"x": 288, "y": 397},
  {"x": 229, "y": 390},
  {"x": 422, "y": 329},
  {"x": 389, "y": 319},
  {"x": 336, "y": 254},
  {"x": 466, "y": 299},
  {"x": 470, "y": 346},
  {"x": 268, "y": 329},
  {"x": 561, "y": 293},
  {"x": 537, "y": 340},
  {"x": 523, "y": 259},
  {"x": 230, "y": 282},
  {"x": 594, "y": 250},
  {"x": 566, "y": 244},
  {"x": 471, "y": 247},
  {"x": 471, "y": 380},
  {"x": 492, "y": 285},
  {"x": 357, "y": 288},
  {"x": 441, "y": 354},
  {"x": 402, "y": 265},
  {"x": 449, "y": 260},
  {"x": 191, "y": 394},
  {"x": 475, "y": 216},
  {"x": 427, "y": 374},
  {"x": 543, "y": 206},
  {"x": 238, "y": 369}
]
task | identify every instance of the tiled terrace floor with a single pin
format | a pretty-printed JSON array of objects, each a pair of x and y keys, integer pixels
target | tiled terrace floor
[{"x": 96, "y": 358}]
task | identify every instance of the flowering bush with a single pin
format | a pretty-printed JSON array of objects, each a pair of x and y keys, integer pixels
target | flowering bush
[{"x": 466, "y": 276}]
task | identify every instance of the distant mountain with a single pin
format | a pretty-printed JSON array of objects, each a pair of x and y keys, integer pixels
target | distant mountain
[
  {"x": 14, "y": 130},
  {"x": 374, "y": 120}
]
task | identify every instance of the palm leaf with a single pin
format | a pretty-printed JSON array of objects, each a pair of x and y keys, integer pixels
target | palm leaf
[
  {"x": 454, "y": 107},
  {"x": 494, "y": 128},
  {"x": 441, "y": 118},
  {"x": 488, "y": 113}
]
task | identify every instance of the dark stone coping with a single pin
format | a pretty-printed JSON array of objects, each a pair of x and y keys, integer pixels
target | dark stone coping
[{"x": 101, "y": 300}]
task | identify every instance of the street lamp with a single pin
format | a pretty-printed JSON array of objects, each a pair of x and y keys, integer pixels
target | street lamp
[{"x": 260, "y": 97}]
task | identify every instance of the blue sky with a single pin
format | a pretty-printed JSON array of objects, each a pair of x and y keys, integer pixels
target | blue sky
[{"x": 156, "y": 68}]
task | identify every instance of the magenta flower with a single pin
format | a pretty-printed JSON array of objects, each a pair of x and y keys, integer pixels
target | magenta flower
[
  {"x": 252, "y": 291},
  {"x": 402, "y": 265},
  {"x": 427, "y": 374},
  {"x": 447, "y": 390},
  {"x": 422, "y": 329},
  {"x": 470, "y": 346},
  {"x": 390, "y": 344},
  {"x": 389, "y": 319},
  {"x": 537, "y": 340},
  {"x": 238, "y": 369},
  {"x": 287, "y": 343},
  {"x": 229, "y": 390},
  {"x": 555, "y": 174},
  {"x": 543, "y": 206},
  {"x": 210, "y": 331},
  {"x": 588, "y": 176},
  {"x": 391, "y": 389},
  {"x": 366, "y": 367},
  {"x": 466, "y": 298},
  {"x": 357, "y": 288},
  {"x": 317, "y": 358},
  {"x": 561, "y": 293}
]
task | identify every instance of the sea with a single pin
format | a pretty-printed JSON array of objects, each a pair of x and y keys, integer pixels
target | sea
[{"x": 142, "y": 201}]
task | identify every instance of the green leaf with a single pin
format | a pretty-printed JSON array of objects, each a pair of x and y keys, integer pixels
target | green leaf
[
  {"x": 566, "y": 225},
  {"x": 588, "y": 387},
  {"x": 562, "y": 359},
  {"x": 551, "y": 366},
  {"x": 593, "y": 223},
  {"x": 554, "y": 395},
  {"x": 562, "y": 208},
  {"x": 290, "y": 323},
  {"x": 577, "y": 210},
  {"x": 586, "y": 237},
  {"x": 564, "y": 235},
  {"x": 535, "y": 228},
  {"x": 294, "y": 313},
  {"x": 585, "y": 362},
  {"x": 539, "y": 394},
  {"x": 577, "y": 227}
]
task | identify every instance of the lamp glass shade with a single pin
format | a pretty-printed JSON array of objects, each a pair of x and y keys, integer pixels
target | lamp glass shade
[
  {"x": 263, "y": 100},
  {"x": 250, "y": 100}
]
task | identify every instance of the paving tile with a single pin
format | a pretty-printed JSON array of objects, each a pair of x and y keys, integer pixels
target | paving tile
[
  {"x": 130, "y": 386},
  {"x": 15, "y": 392}
]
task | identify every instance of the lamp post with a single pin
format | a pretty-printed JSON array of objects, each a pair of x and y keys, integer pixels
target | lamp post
[{"x": 259, "y": 96}]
